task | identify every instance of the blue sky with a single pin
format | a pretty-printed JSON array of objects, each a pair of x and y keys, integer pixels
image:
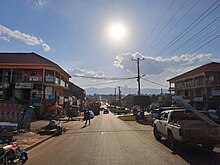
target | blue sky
[{"x": 75, "y": 34}]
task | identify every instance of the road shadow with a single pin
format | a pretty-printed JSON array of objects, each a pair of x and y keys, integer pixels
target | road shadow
[
  {"x": 46, "y": 132},
  {"x": 195, "y": 154},
  {"x": 84, "y": 126},
  {"x": 144, "y": 122}
]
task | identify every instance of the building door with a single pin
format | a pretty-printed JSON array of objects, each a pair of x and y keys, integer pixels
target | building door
[{"x": 26, "y": 95}]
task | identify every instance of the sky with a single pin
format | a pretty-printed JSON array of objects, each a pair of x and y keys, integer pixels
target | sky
[{"x": 98, "y": 41}]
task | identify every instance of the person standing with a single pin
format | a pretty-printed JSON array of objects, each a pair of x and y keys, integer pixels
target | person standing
[
  {"x": 70, "y": 114},
  {"x": 87, "y": 116}
]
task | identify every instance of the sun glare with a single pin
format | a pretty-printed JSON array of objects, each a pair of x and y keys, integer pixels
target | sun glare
[{"x": 117, "y": 31}]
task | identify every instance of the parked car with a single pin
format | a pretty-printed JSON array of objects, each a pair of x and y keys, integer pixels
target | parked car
[
  {"x": 213, "y": 115},
  {"x": 73, "y": 111},
  {"x": 91, "y": 114},
  {"x": 154, "y": 113},
  {"x": 184, "y": 127},
  {"x": 120, "y": 110}
]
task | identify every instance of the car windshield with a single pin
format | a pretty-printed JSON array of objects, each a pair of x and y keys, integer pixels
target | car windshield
[{"x": 155, "y": 111}]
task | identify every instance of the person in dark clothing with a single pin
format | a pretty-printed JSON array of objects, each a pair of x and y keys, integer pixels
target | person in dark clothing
[
  {"x": 142, "y": 114},
  {"x": 87, "y": 116},
  {"x": 70, "y": 114}
]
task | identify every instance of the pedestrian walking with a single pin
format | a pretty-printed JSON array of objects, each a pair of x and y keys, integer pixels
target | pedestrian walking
[
  {"x": 87, "y": 116},
  {"x": 70, "y": 114}
]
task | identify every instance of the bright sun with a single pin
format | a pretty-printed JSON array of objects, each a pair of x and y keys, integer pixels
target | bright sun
[{"x": 117, "y": 31}]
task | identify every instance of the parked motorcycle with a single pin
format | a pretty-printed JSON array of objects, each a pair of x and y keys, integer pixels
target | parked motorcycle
[
  {"x": 11, "y": 153},
  {"x": 139, "y": 116},
  {"x": 59, "y": 129}
]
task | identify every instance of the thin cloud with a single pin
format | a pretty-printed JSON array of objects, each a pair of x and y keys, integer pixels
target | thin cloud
[
  {"x": 159, "y": 65},
  {"x": 4, "y": 38},
  {"x": 7, "y": 33},
  {"x": 40, "y": 3},
  {"x": 86, "y": 73}
]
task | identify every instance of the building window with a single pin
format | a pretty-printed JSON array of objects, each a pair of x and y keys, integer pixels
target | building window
[
  {"x": 18, "y": 77},
  {"x": 1, "y": 95}
]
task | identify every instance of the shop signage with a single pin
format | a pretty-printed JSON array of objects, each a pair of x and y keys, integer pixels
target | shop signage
[
  {"x": 35, "y": 78},
  {"x": 23, "y": 85},
  {"x": 51, "y": 97},
  {"x": 49, "y": 78},
  {"x": 36, "y": 102},
  {"x": 4, "y": 85}
]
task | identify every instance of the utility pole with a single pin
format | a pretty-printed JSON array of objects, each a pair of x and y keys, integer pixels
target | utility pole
[
  {"x": 119, "y": 96},
  {"x": 115, "y": 97},
  {"x": 138, "y": 78}
]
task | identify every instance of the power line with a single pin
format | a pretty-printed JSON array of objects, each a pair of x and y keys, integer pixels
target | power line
[
  {"x": 190, "y": 27},
  {"x": 168, "y": 22},
  {"x": 162, "y": 38},
  {"x": 154, "y": 83},
  {"x": 156, "y": 25},
  {"x": 98, "y": 84},
  {"x": 203, "y": 29},
  {"x": 201, "y": 40},
  {"x": 193, "y": 23},
  {"x": 206, "y": 43},
  {"x": 104, "y": 78}
]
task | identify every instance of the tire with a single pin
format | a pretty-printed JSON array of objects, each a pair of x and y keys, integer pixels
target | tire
[
  {"x": 156, "y": 134},
  {"x": 208, "y": 148},
  {"x": 174, "y": 145},
  {"x": 9, "y": 160}
]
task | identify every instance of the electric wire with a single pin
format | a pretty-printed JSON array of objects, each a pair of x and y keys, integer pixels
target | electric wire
[
  {"x": 156, "y": 25},
  {"x": 171, "y": 29},
  {"x": 105, "y": 78},
  {"x": 201, "y": 40},
  {"x": 203, "y": 29},
  {"x": 190, "y": 27},
  {"x": 154, "y": 62},
  {"x": 168, "y": 22},
  {"x": 180, "y": 36},
  {"x": 205, "y": 44},
  {"x": 154, "y": 83},
  {"x": 193, "y": 25},
  {"x": 98, "y": 84}
]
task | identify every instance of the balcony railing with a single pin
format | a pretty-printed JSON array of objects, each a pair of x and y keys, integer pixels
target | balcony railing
[
  {"x": 35, "y": 78},
  {"x": 215, "y": 92}
]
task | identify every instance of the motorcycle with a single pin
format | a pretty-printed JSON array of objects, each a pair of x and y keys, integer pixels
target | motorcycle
[
  {"x": 139, "y": 116},
  {"x": 59, "y": 129},
  {"x": 11, "y": 153}
]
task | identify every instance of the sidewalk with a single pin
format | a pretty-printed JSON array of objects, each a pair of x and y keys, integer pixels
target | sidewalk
[{"x": 29, "y": 140}]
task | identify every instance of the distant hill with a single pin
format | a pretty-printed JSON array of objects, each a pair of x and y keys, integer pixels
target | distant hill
[{"x": 124, "y": 91}]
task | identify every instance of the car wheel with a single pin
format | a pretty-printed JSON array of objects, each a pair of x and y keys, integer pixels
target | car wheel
[
  {"x": 173, "y": 142},
  {"x": 208, "y": 148},
  {"x": 156, "y": 134}
]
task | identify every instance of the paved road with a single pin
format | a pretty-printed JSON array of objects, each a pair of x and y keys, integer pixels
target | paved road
[{"x": 110, "y": 141}]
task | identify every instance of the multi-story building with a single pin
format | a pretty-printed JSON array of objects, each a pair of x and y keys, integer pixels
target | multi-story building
[
  {"x": 32, "y": 79},
  {"x": 200, "y": 86}
]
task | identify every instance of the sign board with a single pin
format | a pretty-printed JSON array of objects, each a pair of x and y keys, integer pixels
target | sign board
[
  {"x": 23, "y": 85},
  {"x": 35, "y": 78},
  {"x": 49, "y": 78}
]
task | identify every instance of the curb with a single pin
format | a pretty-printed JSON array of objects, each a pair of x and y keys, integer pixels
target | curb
[
  {"x": 38, "y": 143},
  {"x": 43, "y": 140}
]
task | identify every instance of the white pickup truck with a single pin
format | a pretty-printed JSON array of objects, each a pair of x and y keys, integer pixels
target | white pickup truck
[{"x": 184, "y": 126}]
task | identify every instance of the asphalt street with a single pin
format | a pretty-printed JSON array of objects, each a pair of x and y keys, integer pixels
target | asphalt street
[{"x": 109, "y": 141}]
